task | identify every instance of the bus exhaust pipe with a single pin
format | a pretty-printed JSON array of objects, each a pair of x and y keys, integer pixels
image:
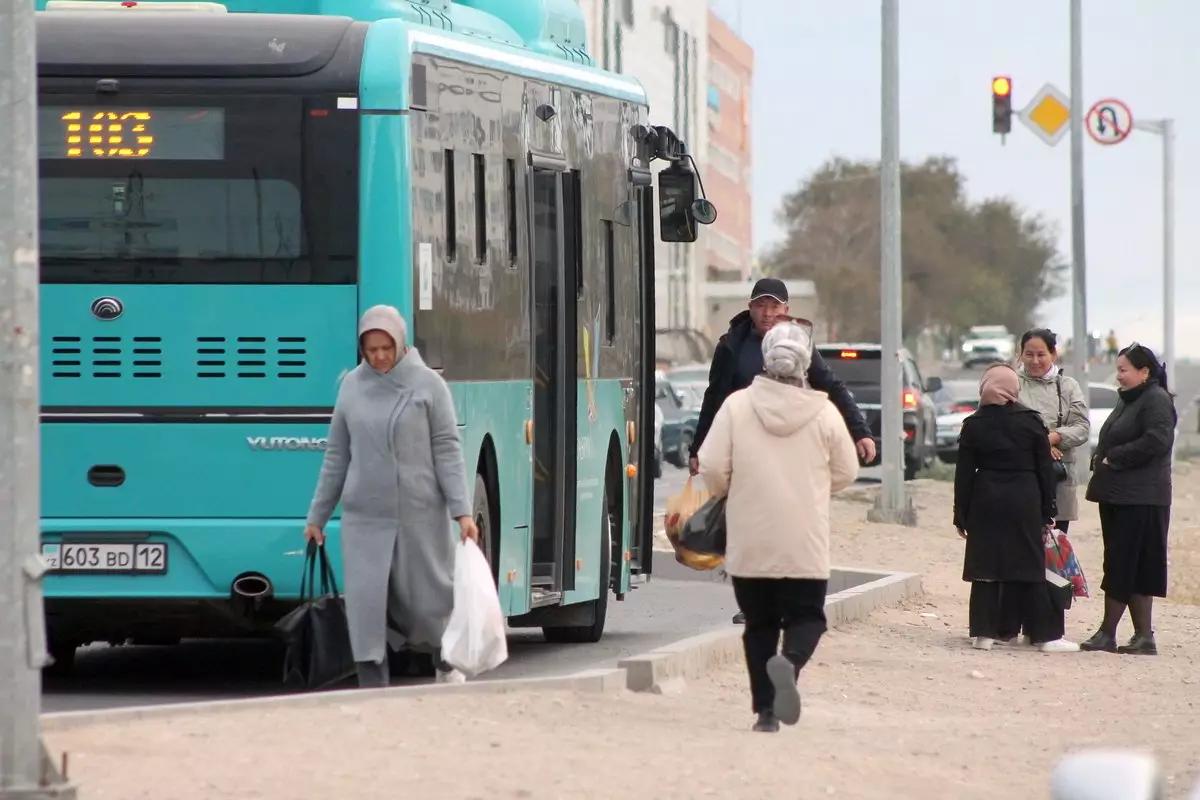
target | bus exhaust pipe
[{"x": 251, "y": 589}]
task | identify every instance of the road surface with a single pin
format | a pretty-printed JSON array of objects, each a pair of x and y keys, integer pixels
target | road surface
[{"x": 675, "y": 604}]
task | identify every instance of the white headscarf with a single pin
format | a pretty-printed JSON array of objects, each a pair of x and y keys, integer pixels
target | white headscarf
[
  {"x": 787, "y": 351},
  {"x": 388, "y": 320}
]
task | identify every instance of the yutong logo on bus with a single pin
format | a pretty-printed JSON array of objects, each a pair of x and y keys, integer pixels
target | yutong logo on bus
[{"x": 286, "y": 443}]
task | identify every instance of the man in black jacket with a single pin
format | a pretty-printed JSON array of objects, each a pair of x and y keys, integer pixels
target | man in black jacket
[{"x": 738, "y": 358}]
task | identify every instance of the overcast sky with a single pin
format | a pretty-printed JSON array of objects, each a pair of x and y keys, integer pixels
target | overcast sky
[{"x": 816, "y": 94}]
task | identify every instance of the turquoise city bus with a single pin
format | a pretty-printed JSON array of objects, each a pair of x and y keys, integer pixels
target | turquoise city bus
[{"x": 224, "y": 188}]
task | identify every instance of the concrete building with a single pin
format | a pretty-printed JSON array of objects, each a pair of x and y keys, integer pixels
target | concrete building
[
  {"x": 664, "y": 44},
  {"x": 728, "y": 177},
  {"x": 730, "y": 245}
]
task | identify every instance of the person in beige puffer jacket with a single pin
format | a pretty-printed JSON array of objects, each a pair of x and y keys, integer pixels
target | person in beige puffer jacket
[
  {"x": 1063, "y": 406},
  {"x": 776, "y": 450}
]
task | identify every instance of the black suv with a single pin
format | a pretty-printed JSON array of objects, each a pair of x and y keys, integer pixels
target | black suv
[{"x": 860, "y": 366}]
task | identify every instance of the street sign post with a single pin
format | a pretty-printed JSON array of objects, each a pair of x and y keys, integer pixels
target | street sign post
[
  {"x": 1048, "y": 114},
  {"x": 1109, "y": 122}
]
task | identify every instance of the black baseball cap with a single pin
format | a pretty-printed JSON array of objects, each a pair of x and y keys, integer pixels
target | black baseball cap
[{"x": 770, "y": 287}]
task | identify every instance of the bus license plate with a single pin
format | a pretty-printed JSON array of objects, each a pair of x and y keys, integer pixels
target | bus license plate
[{"x": 109, "y": 557}]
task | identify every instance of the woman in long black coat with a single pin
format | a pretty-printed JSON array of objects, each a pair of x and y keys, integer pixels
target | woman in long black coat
[
  {"x": 1004, "y": 498},
  {"x": 1131, "y": 480}
]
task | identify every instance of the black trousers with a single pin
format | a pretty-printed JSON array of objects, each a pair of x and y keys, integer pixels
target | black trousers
[
  {"x": 1001, "y": 609},
  {"x": 793, "y": 607}
]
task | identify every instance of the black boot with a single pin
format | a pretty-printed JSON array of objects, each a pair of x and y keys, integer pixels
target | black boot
[
  {"x": 373, "y": 674},
  {"x": 739, "y": 618},
  {"x": 766, "y": 723},
  {"x": 1142, "y": 644},
  {"x": 1100, "y": 641}
]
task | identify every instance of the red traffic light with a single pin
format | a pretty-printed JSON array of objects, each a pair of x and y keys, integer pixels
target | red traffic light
[{"x": 1002, "y": 86}]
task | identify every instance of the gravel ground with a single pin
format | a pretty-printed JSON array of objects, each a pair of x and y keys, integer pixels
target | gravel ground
[{"x": 894, "y": 705}]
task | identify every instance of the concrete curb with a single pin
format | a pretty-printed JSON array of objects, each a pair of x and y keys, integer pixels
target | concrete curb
[
  {"x": 664, "y": 670},
  {"x": 601, "y": 681}
]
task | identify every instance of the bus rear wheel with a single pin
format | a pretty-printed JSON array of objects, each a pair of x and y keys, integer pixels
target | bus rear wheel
[
  {"x": 585, "y": 634},
  {"x": 482, "y": 513}
]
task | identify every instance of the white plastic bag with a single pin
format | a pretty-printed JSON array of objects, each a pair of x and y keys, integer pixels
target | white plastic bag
[{"x": 475, "y": 640}]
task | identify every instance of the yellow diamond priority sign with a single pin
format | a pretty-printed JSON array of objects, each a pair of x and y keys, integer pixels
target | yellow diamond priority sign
[{"x": 1048, "y": 114}]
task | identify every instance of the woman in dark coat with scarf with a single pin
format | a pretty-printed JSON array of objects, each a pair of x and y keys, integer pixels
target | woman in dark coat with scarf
[
  {"x": 1004, "y": 498},
  {"x": 1131, "y": 480}
]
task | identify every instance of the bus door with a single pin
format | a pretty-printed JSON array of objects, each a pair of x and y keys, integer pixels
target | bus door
[
  {"x": 554, "y": 198},
  {"x": 642, "y": 495}
]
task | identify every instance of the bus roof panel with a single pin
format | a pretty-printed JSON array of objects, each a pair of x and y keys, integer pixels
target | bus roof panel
[
  {"x": 87, "y": 44},
  {"x": 523, "y": 62}
]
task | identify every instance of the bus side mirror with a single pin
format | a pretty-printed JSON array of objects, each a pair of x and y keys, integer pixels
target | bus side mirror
[{"x": 680, "y": 212}]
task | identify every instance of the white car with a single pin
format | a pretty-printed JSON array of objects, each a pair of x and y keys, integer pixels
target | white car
[
  {"x": 988, "y": 344},
  {"x": 1102, "y": 399},
  {"x": 955, "y": 401},
  {"x": 690, "y": 381}
]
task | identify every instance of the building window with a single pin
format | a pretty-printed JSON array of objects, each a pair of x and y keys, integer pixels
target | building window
[
  {"x": 724, "y": 79},
  {"x": 724, "y": 162},
  {"x": 618, "y": 50},
  {"x": 627, "y": 12},
  {"x": 714, "y": 98}
]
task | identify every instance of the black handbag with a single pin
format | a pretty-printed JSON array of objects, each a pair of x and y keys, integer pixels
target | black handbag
[
  {"x": 1061, "y": 471},
  {"x": 317, "y": 633},
  {"x": 704, "y": 532}
]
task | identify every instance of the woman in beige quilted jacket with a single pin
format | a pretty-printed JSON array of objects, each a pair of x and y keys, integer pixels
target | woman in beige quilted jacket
[
  {"x": 777, "y": 449},
  {"x": 1063, "y": 406}
]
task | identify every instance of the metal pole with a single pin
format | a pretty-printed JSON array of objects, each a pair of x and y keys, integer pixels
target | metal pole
[
  {"x": 892, "y": 505},
  {"x": 1168, "y": 222},
  {"x": 1082, "y": 342},
  {"x": 25, "y": 771}
]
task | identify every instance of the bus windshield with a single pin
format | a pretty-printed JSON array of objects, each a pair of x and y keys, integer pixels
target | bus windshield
[{"x": 196, "y": 189}]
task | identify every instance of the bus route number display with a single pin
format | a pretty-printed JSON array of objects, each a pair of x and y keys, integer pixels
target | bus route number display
[{"x": 174, "y": 133}]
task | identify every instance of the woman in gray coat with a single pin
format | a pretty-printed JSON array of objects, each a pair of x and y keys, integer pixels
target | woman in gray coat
[
  {"x": 395, "y": 462},
  {"x": 1063, "y": 406}
]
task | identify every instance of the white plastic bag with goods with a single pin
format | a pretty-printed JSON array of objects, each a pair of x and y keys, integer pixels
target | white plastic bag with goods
[{"x": 475, "y": 640}]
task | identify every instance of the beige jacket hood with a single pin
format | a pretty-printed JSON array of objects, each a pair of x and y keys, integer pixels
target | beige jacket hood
[
  {"x": 784, "y": 409},
  {"x": 777, "y": 451}
]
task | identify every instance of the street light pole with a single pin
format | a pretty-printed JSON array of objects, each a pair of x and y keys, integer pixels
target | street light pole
[
  {"x": 25, "y": 771},
  {"x": 1165, "y": 128},
  {"x": 892, "y": 505},
  {"x": 1082, "y": 342}
]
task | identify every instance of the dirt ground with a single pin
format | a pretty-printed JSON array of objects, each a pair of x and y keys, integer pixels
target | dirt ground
[{"x": 896, "y": 706}]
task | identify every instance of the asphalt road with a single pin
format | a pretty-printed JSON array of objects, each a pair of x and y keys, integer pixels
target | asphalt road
[{"x": 675, "y": 604}]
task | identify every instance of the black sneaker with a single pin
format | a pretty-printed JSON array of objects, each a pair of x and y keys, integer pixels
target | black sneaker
[
  {"x": 739, "y": 618},
  {"x": 1142, "y": 644},
  {"x": 1100, "y": 642},
  {"x": 766, "y": 723}
]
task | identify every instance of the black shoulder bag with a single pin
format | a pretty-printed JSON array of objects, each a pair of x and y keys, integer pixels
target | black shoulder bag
[{"x": 1061, "y": 472}]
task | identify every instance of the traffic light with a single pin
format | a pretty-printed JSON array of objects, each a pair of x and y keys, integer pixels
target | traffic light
[{"x": 1002, "y": 105}]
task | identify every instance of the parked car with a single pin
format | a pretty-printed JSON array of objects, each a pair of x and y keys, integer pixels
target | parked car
[
  {"x": 988, "y": 344},
  {"x": 955, "y": 401},
  {"x": 1102, "y": 399},
  {"x": 656, "y": 467},
  {"x": 679, "y": 424},
  {"x": 860, "y": 368},
  {"x": 690, "y": 381}
]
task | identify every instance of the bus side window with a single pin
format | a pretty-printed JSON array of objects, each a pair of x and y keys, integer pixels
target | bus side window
[
  {"x": 610, "y": 283},
  {"x": 480, "y": 208},
  {"x": 449, "y": 203},
  {"x": 510, "y": 179}
]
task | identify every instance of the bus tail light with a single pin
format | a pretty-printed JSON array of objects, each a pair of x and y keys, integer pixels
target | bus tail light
[{"x": 910, "y": 400}]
